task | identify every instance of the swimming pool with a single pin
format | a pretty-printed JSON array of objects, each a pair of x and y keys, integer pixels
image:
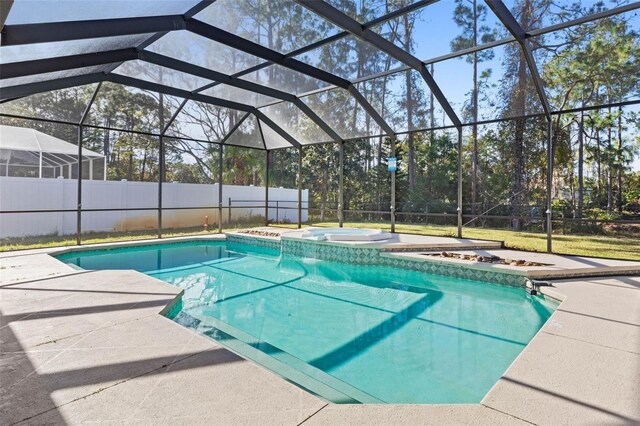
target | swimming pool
[{"x": 349, "y": 333}]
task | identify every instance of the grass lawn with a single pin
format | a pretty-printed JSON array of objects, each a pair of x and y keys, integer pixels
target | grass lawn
[
  {"x": 109, "y": 237},
  {"x": 585, "y": 245}
]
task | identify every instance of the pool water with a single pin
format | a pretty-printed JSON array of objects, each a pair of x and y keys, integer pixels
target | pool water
[{"x": 348, "y": 333}]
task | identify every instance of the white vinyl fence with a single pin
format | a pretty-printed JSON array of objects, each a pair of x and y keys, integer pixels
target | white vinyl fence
[{"x": 17, "y": 193}]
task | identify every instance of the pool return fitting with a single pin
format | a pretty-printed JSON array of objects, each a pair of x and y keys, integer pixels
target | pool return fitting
[{"x": 532, "y": 287}]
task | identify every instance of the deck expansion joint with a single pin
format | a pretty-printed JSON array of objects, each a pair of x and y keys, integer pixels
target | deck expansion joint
[
  {"x": 507, "y": 414},
  {"x": 313, "y": 414},
  {"x": 590, "y": 343}
]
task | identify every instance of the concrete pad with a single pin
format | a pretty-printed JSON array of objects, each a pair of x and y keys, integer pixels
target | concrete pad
[
  {"x": 614, "y": 299},
  {"x": 31, "y": 267},
  {"x": 32, "y": 296},
  {"x": 15, "y": 369},
  {"x": 42, "y": 332},
  {"x": 602, "y": 311},
  {"x": 596, "y": 330},
  {"x": 97, "y": 282},
  {"x": 57, "y": 326},
  {"x": 19, "y": 303},
  {"x": 78, "y": 373},
  {"x": 146, "y": 332},
  {"x": 383, "y": 415},
  {"x": 60, "y": 377},
  {"x": 212, "y": 387},
  {"x": 16, "y": 366},
  {"x": 229, "y": 392},
  {"x": 557, "y": 380}
]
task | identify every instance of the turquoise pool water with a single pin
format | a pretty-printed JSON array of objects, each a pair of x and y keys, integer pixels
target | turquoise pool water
[{"x": 348, "y": 333}]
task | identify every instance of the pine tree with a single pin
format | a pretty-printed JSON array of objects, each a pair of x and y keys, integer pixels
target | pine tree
[{"x": 469, "y": 16}]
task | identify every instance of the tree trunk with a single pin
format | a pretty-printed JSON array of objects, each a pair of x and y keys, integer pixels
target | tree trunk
[
  {"x": 411, "y": 172},
  {"x": 130, "y": 171},
  {"x": 518, "y": 178},
  {"x": 620, "y": 162},
  {"x": 518, "y": 149},
  {"x": 474, "y": 128},
  {"x": 379, "y": 172},
  {"x": 144, "y": 166},
  {"x": 323, "y": 192},
  {"x": 106, "y": 141},
  {"x": 580, "y": 165},
  {"x": 571, "y": 169},
  {"x": 609, "y": 170},
  {"x": 432, "y": 124},
  {"x": 598, "y": 167},
  {"x": 359, "y": 73}
]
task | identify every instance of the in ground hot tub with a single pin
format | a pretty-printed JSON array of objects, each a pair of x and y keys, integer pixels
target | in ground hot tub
[{"x": 345, "y": 234}]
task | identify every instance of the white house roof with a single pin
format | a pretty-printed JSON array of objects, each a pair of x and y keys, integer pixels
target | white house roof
[{"x": 24, "y": 139}]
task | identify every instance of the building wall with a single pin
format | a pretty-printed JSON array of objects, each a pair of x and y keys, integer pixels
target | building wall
[{"x": 57, "y": 194}]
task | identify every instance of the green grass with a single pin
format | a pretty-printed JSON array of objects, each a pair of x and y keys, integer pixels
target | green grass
[
  {"x": 50, "y": 241},
  {"x": 583, "y": 245}
]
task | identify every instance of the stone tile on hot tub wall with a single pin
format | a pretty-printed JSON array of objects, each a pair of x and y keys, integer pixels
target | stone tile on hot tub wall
[
  {"x": 457, "y": 271},
  {"x": 258, "y": 242},
  {"x": 331, "y": 252}
]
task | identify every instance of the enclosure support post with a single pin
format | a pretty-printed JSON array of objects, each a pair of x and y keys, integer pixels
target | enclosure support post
[
  {"x": 160, "y": 180},
  {"x": 459, "y": 210},
  {"x": 80, "y": 128},
  {"x": 79, "y": 206},
  {"x": 161, "y": 155},
  {"x": 220, "y": 189},
  {"x": 300, "y": 188},
  {"x": 341, "y": 187},
  {"x": 549, "y": 183},
  {"x": 40, "y": 166},
  {"x": 393, "y": 187},
  {"x": 266, "y": 190}
]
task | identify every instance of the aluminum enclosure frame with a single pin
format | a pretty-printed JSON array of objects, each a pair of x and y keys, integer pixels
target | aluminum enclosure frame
[{"x": 160, "y": 25}]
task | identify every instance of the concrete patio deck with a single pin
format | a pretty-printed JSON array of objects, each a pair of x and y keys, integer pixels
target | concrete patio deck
[{"x": 91, "y": 346}]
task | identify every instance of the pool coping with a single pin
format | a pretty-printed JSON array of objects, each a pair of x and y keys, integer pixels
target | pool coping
[{"x": 579, "y": 366}]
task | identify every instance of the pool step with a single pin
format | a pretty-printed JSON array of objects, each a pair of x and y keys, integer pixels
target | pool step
[{"x": 284, "y": 364}]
